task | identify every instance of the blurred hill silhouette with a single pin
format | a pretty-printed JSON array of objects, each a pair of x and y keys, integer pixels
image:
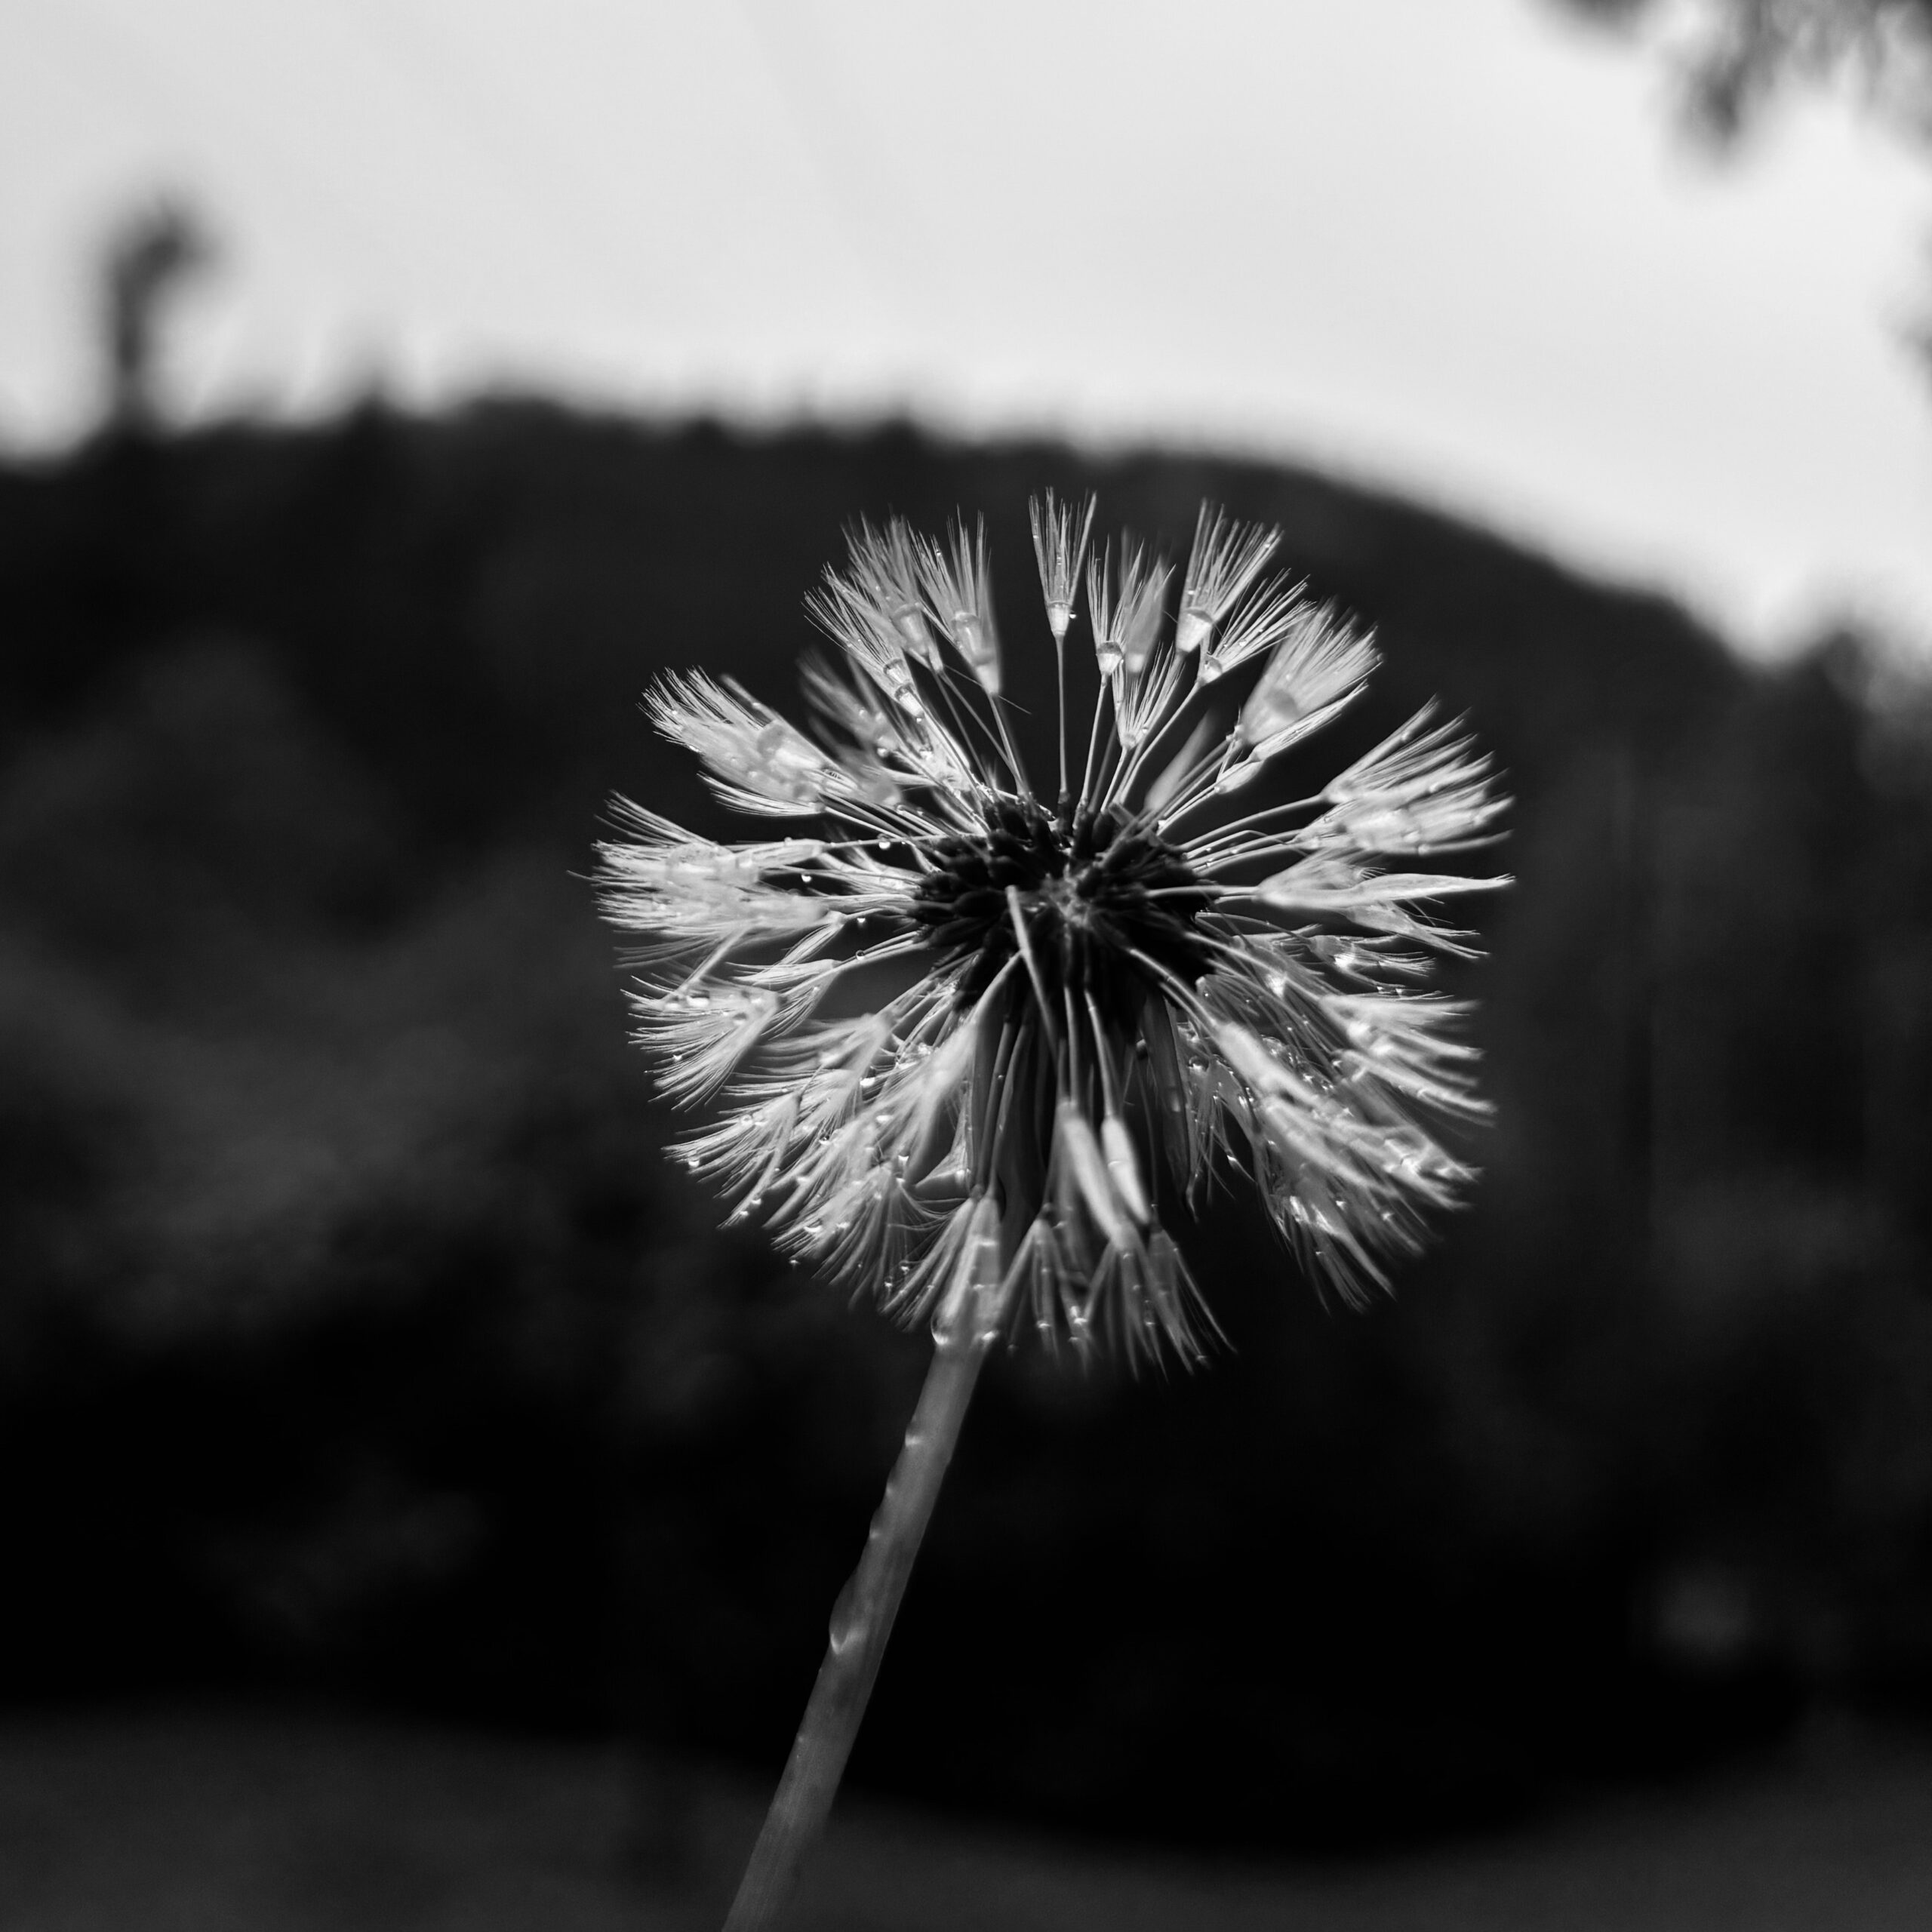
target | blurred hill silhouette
[{"x": 355, "y": 1336}]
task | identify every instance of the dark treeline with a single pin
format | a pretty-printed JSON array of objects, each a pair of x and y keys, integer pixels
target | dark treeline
[{"x": 356, "y": 1337}]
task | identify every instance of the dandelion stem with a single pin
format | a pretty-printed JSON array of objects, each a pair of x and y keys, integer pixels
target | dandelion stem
[
  {"x": 1014, "y": 760},
  {"x": 1093, "y": 745},
  {"x": 1059, "y": 672},
  {"x": 1124, "y": 779},
  {"x": 861, "y": 1622}
]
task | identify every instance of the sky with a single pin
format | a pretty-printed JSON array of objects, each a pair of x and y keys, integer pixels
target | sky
[{"x": 1458, "y": 248}]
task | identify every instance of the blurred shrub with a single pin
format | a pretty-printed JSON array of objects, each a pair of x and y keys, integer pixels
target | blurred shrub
[{"x": 355, "y": 1333}]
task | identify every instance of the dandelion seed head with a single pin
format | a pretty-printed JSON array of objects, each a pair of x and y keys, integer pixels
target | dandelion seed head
[{"x": 1108, "y": 991}]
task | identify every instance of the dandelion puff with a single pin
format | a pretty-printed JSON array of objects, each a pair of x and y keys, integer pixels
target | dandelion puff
[
  {"x": 1325, "y": 886},
  {"x": 1226, "y": 559},
  {"x": 753, "y": 758},
  {"x": 1108, "y": 1000},
  {"x": 1420, "y": 790},
  {"x": 958, "y": 583},
  {"x": 698, "y": 1038},
  {"x": 1318, "y": 663},
  {"x": 1259, "y": 623},
  {"x": 1125, "y": 600},
  {"x": 1060, "y": 548},
  {"x": 886, "y": 567},
  {"x": 1126, "y": 605}
]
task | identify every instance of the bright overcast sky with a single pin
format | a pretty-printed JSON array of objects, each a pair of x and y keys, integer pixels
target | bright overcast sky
[{"x": 1452, "y": 246}]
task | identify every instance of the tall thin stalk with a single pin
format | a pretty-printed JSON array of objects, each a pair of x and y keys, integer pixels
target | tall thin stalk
[{"x": 862, "y": 1621}]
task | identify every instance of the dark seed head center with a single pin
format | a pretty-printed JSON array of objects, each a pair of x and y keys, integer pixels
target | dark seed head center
[{"x": 1099, "y": 899}]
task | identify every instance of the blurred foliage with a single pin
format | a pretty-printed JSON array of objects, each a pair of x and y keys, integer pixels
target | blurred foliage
[
  {"x": 1734, "y": 57},
  {"x": 356, "y": 1334},
  {"x": 148, "y": 259}
]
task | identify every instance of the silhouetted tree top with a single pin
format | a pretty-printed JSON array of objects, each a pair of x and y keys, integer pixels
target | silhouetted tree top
[
  {"x": 149, "y": 255},
  {"x": 1738, "y": 53}
]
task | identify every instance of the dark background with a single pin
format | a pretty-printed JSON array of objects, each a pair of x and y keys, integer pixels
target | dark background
[{"x": 358, "y": 1343}]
